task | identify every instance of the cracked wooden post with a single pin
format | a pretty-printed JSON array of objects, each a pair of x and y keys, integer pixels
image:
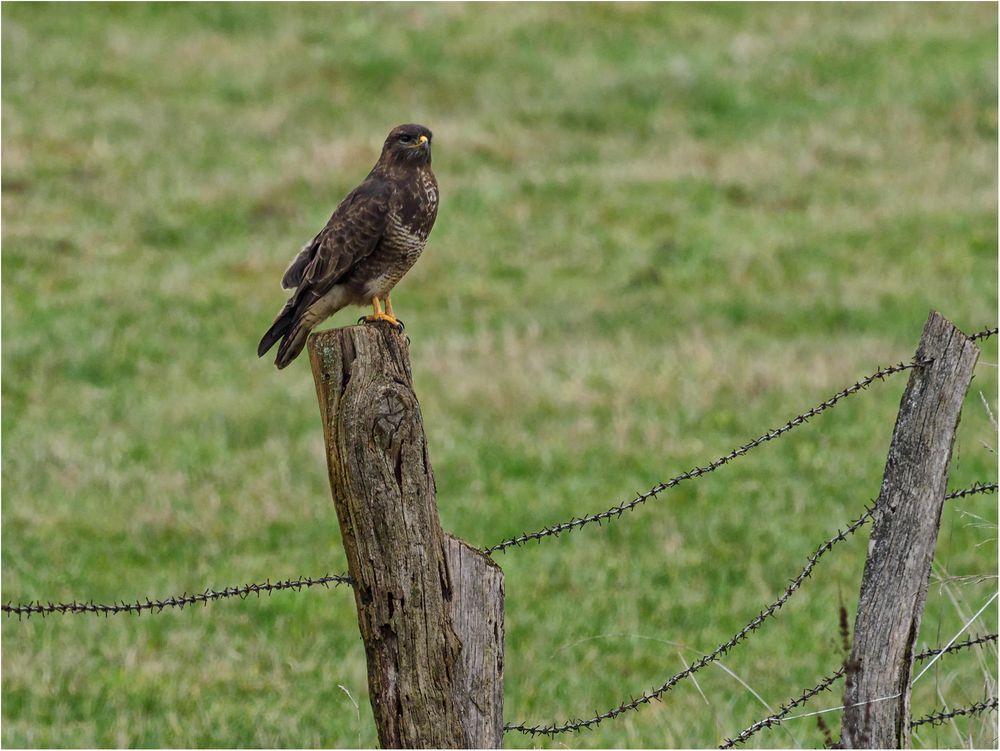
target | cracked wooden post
[
  {"x": 430, "y": 607},
  {"x": 901, "y": 547}
]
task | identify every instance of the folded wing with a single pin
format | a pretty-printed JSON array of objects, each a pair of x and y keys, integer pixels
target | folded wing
[{"x": 351, "y": 234}]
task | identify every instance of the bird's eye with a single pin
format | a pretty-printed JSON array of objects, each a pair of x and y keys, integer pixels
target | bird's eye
[{"x": 405, "y": 138}]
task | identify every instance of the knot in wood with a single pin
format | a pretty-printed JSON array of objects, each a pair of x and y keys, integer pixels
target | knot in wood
[{"x": 391, "y": 410}]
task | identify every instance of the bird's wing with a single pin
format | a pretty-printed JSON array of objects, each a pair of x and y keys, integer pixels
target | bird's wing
[
  {"x": 351, "y": 234},
  {"x": 293, "y": 274}
]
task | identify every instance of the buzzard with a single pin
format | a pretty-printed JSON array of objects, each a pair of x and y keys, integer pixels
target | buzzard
[{"x": 372, "y": 239}]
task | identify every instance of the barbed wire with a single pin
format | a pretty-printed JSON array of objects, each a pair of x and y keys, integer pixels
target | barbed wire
[
  {"x": 969, "y": 642},
  {"x": 722, "y": 649},
  {"x": 825, "y": 683},
  {"x": 939, "y": 718},
  {"x": 775, "y": 719},
  {"x": 984, "y": 334},
  {"x": 979, "y": 487},
  {"x": 616, "y": 511},
  {"x": 179, "y": 601},
  {"x": 753, "y": 625}
]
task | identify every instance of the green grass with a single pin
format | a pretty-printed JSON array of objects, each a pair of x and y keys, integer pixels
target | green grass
[{"x": 664, "y": 229}]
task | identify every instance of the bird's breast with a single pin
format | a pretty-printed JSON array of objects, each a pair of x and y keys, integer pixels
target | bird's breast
[
  {"x": 404, "y": 238},
  {"x": 411, "y": 217}
]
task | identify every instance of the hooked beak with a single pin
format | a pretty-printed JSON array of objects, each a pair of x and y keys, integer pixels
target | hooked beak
[{"x": 422, "y": 142}]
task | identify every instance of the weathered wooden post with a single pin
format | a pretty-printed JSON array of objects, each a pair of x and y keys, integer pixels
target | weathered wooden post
[
  {"x": 901, "y": 547},
  {"x": 430, "y": 607}
]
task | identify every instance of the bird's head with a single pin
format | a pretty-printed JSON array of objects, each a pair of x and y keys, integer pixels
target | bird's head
[{"x": 408, "y": 144}]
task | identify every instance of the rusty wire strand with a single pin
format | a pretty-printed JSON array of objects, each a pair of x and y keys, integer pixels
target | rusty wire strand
[
  {"x": 753, "y": 625},
  {"x": 824, "y": 685},
  {"x": 616, "y": 511},
  {"x": 178, "y": 601},
  {"x": 938, "y": 718},
  {"x": 722, "y": 649},
  {"x": 984, "y": 334}
]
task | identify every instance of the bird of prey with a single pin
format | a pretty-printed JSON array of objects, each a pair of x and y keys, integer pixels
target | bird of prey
[{"x": 372, "y": 239}]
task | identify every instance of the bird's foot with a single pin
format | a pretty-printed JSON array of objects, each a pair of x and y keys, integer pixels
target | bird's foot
[{"x": 380, "y": 316}]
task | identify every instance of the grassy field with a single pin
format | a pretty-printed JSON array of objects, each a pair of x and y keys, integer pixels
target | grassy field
[{"x": 664, "y": 229}]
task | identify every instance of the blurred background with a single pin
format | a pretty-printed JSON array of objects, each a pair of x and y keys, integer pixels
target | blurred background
[{"x": 664, "y": 229}]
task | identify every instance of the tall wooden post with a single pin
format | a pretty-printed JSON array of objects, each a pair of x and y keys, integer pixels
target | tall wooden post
[
  {"x": 430, "y": 607},
  {"x": 901, "y": 547}
]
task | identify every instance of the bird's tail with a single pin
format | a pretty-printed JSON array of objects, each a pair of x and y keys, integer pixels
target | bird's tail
[
  {"x": 292, "y": 330},
  {"x": 294, "y": 341},
  {"x": 280, "y": 327},
  {"x": 292, "y": 327}
]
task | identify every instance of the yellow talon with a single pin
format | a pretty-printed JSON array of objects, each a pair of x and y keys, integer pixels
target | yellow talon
[{"x": 378, "y": 315}]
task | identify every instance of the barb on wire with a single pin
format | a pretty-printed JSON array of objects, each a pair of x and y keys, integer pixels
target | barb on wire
[
  {"x": 616, "y": 511},
  {"x": 179, "y": 601},
  {"x": 719, "y": 651},
  {"x": 979, "y": 487},
  {"x": 775, "y": 719},
  {"x": 938, "y": 718},
  {"x": 824, "y": 685},
  {"x": 753, "y": 625},
  {"x": 984, "y": 334},
  {"x": 970, "y": 642}
]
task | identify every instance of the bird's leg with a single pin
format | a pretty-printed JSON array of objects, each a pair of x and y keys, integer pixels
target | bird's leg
[
  {"x": 388, "y": 312},
  {"x": 378, "y": 315}
]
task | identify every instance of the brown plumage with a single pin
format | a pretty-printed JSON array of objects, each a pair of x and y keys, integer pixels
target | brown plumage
[{"x": 373, "y": 238}]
